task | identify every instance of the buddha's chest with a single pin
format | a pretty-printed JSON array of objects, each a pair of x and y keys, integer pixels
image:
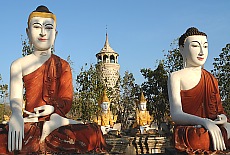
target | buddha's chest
[
  {"x": 143, "y": 116},
  {"x": 105, "y": 117}
]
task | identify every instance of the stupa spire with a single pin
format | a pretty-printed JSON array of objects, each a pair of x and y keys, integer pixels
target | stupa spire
[{"x": 107, "y": 41}]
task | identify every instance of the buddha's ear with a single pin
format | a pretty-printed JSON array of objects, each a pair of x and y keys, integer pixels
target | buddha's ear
[
  {"x": 182, "y": 52},
  {"x": 56, "y": 33},
  {"x": 27, "y": 32},
  {"x": 28, "y": 35},
  {"x": 181, "y": 48}
]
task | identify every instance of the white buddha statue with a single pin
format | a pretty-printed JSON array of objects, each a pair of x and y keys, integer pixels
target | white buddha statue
[
  {"x": 47, "y": 80},
  {"x": 194, "y": 98}
]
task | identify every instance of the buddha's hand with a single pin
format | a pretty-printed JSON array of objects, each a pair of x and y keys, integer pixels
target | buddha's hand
[
  {"x": 44, "y": 110},
  {"x": 221, "y": 119},
  {"x": 216, "y": 135},
  {"x": 16, "y": 131},
  {"x": 107, "y": 126},
  {"x": 41, "y": 111},
  {"x": 146, "y": 126}
]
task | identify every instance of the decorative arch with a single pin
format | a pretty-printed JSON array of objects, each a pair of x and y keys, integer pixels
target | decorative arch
[
  {"x": 99, "y": 58},
  {"x": 105, "y": 57},
  {"x": 112, "y": 59}
]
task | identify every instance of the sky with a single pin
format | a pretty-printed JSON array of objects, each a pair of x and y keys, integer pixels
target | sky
[{"x": 138, "y": 30}]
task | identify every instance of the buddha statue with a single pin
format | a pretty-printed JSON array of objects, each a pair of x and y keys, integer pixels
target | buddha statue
[
  {"x": 201, "y": 125},
  {"x": 6, "y": 119},
  {"x": 143, "y": 118},
  {"x": 105, "y": 117},
  {"x": 47, "y": 80}
]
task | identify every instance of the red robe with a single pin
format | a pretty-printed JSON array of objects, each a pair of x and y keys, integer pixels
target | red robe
[
  {"x": 204, "y": 101},
  {"x": 51, "y": 84}
]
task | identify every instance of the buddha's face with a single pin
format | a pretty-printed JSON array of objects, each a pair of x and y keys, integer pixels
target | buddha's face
[
  {"x": 195, "y": 50},
  {"x": 142, "y": 106},
  {"x": 41, "y": 32},
  {"x": 105, "y": 106}
]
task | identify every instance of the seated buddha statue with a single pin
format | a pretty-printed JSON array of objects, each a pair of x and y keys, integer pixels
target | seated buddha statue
[
  {"x": 47, "y": 80},
  {"x": 105, "y": 117},
  {"x": 143, "y": 118},
  {"x": 195, "y": 103},
  {"x": 6, "y": 119}
]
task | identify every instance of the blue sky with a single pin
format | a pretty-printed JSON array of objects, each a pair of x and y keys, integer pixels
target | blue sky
[{"x": 139, "y": 30}]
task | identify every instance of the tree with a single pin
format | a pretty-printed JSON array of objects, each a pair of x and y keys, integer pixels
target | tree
[
  {"x": 88, "y": 90},
  {"x": 70, "y": 63},
  {"x": 26, "y": 47},
  {"x": 3, "y": 90},
  {"x": 129, "y": 93},
  {"x": 4, "y": 96},
  {"x": 156, "y": 92},
  {"x": 222, "y": 72},
  {"x": 155, "y": 86},
  {"x": 173, "y": 58}
]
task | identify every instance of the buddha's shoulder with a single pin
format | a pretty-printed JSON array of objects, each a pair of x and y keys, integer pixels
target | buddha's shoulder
[
  {"x": 178, "y": 74},
  {"x": 20, "y": 61}
]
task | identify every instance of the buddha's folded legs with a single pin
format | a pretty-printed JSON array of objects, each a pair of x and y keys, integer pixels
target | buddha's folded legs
[{"x": 75, "y": 138}]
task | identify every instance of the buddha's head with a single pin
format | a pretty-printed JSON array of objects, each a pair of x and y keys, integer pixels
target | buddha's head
[
  {"x": 104, "y": 102},
  {"x": 41, "y": 28},
  {"x": 142, "y": 102},
  {"x": 193, "y": 46}
]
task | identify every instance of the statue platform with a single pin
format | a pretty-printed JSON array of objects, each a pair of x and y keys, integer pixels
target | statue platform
[
  {"x": 150, "y": 144},
  {"x": 173, "y": 151},
  {"x": 119, "y": 144}
]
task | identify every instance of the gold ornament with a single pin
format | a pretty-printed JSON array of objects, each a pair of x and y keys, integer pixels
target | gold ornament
[
  {"x": 103, "y": 98},
  {"x": 142, "y": 98}
]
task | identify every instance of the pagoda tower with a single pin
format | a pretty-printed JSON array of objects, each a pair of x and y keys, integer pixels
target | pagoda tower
[{"x": 107, "y": 65}]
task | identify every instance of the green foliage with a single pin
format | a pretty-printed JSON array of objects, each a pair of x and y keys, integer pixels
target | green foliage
[
  {"x": 3, "y": 91},
  {"x": 222, "y": 72},
  {"x": 129, "y": 93},
  {"x": 70, "y": 62},
  {"x": 88, "y": 90},
  {"x": 155, "y": 86},
  {"x": 156, "y": 92},
  {"x": 26, "y": 49},
  {"x": 4, "y": 107},
  {"x": 173, "y": 58}
]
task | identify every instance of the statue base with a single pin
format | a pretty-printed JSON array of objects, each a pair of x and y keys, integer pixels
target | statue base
[{"x": 173, "y": 151}]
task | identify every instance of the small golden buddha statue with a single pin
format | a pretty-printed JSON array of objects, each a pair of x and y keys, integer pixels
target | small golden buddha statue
[
  {"x": 6, "y": 119},
  {"x": 105, "y": 117},
  {"x": 143, "y": 118}
]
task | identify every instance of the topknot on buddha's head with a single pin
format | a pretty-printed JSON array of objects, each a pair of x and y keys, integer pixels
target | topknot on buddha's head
[
  {"x": 42, "y": 8},
  {"x": 190, "y": 32}
]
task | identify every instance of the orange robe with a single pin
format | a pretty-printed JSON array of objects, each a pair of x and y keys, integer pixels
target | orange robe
[
  {"x": 204, "y": 101},
  {"x": 52, "y": 84}
]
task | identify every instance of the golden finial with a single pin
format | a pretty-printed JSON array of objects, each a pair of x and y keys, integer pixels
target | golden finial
[
  {"x": 142, "y": 98},
  {"x": 103, "y": 98}
]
